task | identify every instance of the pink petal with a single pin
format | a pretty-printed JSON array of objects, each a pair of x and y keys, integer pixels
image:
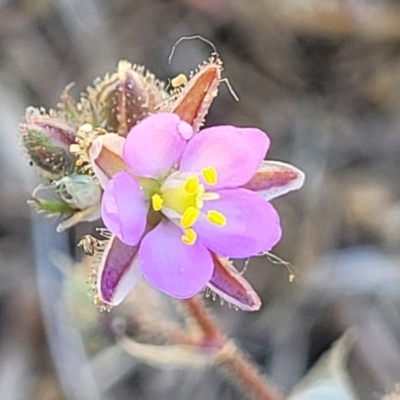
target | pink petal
[
  {"x": 230, "y": 285},
  {"x": 185, "y": 130},
  {"x": 155, "y": 144},
  {"x": 275, "y": 179},
  {"x": 123, "y": 208},
  {"x": 118, "y": 272},
  {"x": 171, "y": 266},
  {"x": 105, "y": 154},
  {"x": 235, "y": 153},
  {"x": 252, "y": 224}
]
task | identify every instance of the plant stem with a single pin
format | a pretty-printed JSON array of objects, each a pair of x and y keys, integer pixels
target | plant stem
[{"x": 230, "y": 360}]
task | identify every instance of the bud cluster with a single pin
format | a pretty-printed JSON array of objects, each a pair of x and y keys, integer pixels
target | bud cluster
[{"x": 56, "y": 142}]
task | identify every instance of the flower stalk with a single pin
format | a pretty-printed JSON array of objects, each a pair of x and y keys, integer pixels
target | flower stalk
[{"x": 231, "y": 361}]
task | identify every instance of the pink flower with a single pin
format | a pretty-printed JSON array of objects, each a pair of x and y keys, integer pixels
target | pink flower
[
  {"x": 182, "y": 201},
  {"x": 179, "y": 203}
]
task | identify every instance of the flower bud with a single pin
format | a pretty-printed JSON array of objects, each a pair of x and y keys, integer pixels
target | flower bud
[
  {"x": 79, "y": 191},
  {"x": 46, "y": 139},
  {"x": 119, "y": 101}
]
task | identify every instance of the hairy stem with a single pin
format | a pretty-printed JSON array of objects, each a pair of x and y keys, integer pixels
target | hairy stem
[{"x": 230, "y": 360}]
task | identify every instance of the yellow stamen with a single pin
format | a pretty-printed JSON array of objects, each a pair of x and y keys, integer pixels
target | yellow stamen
[
  {"x": 189, "y": 237},
  {"x": 210, "y": 175},
  {"x": 189, "y": 217},
  {"x": 74, "y": 148},
  {"x": 200, "y": 191},
  {"x": 157, "y": 202},
  {"x": 179, "y": 80},
  {"x": 86, "y": 128},
  {"x": 216, "y": 218},
  {"x": 192, "y": 185}
]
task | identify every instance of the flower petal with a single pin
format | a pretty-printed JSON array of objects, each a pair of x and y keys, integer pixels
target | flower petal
[
  {"x": 230, "y": 285},
  {"x": 252, "y": 224},
  {"x": 155, "y": 144},
  {"x": 171, "y": 266},
  {"x": 124, "y": 209},
  {"x": 275, "y": 179},
  {"x": 234, "y": 152},
  {"x": 118, "y": 272},
  {"x": 105, "y": 154}
]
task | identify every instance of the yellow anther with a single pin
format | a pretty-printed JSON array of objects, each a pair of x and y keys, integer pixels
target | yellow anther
[
  {"x": 86, "y": 128},
  {"x": 74, "y": 148},
  {"x": 210, "y": 175},
  {"x": 189, "y": 217},
  {"x": 157, "y": 202},
  {"x": 191, "y": 185},
  {"x": 216, "y": 218},
  {"x": 189, "y": 237},
  {"x": 179, "y": 80}
]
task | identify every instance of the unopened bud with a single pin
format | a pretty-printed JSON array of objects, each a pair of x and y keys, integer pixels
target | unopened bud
[
  {"x": 119, "y": 101},
  {"x": 47, "y": 140},
  {"x": 79, "y": 191}
]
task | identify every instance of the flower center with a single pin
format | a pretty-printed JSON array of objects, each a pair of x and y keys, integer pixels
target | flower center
[{"x": 186, "y": 199}]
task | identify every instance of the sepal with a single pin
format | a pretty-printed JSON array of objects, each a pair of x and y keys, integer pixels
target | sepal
[
  {"x": 275, "y": 178},
  {"x": 231, "y": 286},
  {"x": 118, "y": 272}
]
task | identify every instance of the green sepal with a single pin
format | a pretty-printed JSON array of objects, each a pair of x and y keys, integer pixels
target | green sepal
[{"x": 50, "y": 206}]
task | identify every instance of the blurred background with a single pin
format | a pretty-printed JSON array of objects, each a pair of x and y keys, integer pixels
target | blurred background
[{"x": 323, "y": 79}]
